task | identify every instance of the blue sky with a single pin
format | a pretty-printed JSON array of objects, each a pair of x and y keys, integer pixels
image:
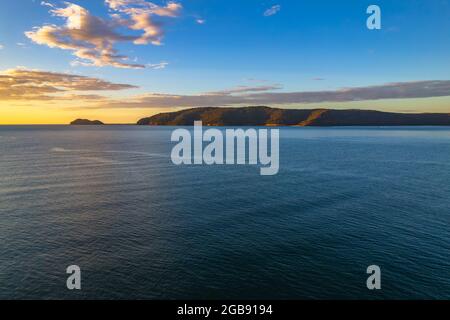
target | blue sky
[{"x": 237, "y": 45}]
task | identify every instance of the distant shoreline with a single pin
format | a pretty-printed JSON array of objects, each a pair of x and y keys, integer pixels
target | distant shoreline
[{"x": 275, "y": 117}]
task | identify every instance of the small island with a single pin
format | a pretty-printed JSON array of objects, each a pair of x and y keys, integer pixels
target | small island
[{"x": 86, "y": 122}]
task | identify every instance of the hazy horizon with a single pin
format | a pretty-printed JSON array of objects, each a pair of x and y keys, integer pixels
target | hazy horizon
[{"x": 183, "y": 109}]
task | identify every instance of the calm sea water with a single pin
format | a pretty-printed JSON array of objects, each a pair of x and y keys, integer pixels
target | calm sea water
[{"x": 109, "y": 200}]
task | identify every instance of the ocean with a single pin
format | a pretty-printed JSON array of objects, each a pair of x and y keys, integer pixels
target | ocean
[{"x": 109, "y": 200}]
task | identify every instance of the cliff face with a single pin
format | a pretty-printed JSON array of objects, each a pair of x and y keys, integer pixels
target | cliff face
[
  {"x": 79, "y": 122},
  {"x": 265, "y": 116}
]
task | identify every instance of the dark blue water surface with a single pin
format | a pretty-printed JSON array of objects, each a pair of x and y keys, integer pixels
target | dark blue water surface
[{"x": 109, "y": 200}]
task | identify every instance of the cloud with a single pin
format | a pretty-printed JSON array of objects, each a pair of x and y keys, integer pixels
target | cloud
[
  {"x": 172, "y": 9},
  {"x": 25, "y": 84},
  {"x": 200, "y": 21},
  {"x": 244, "y": 90},
  {"x": 272, "y": 11},
  {"x": 138, "y": 15},
  {"x": 1, "y": 47},
  {"x": 92, "y": 39},
  {"x": 22, "y": 84},
  {"x": 251, "y": 96},
  {"x": 47, "y": 4},
  {"x": 158, "y": 66},
  {"x": 254, "y": 80},
  {"x": 155, "y": 100}
]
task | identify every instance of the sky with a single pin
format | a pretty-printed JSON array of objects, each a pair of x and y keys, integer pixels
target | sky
[{"x": 121, "y": 60}]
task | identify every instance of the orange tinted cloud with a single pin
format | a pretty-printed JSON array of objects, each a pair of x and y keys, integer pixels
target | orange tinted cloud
[
  {"x": 24, "y": 84},
  {"x": 92, "y": 39},
  {"x": 264, "y": 95}
]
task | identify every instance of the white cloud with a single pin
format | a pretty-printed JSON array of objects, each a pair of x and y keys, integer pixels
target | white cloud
[
  {"x": 1, "y": 47},
  {"x": 92, "y": 39},
  {"x": 139, "y": 16},
  {"x": 47, "y": 4},
  {"x": 272, "y": 11},
  {"x": 200, "y": 21},
  {"x": 172, "y": 9},
  {"x": 158, "y": 66}
]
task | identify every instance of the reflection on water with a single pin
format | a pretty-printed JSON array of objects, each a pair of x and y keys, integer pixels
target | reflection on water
[{"x": 109, "y": 200}]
